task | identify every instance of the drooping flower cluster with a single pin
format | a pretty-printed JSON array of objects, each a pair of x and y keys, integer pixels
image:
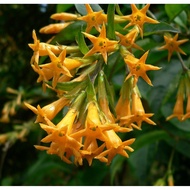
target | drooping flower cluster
[
  {"x": 180, "y": 111},
  {"x": 183, "y": 93},
  {"x": 91, "y": 124}
]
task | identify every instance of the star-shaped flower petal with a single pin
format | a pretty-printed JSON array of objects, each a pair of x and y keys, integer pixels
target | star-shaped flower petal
[
  {"x": 49, "y": 111},
  {"x": 57, "y": 66},
  {"x": 172, "y": 44},
  {"x": 138, "y": 68},
  {"x": 93, "y": 19},
  {"x": 138, "y": 18},
  {"x": 40, "y": 48},
  {"x": 92, "y": 151},
  {"x": 101, "y": 44},
  {"x": 128, "y": 40},
  {"x": 138, "y": 114},
  {"x": 115, "y": 146},
  {"x": 94, "y": 129}
]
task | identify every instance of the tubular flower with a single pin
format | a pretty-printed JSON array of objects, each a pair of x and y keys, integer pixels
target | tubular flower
[
  {"x": 138, "y": 114},
  {"x": 187, "y": 115},
  {"x": 62, "y": 143},
  {"x": 187, "y": 84},
  {"x": 54, "y": 28},
  {"x": 172, "y": 44},
  {"x": 40, "y": 48},
  {"x": 103, "y": 98},
  {"x": 138, "y": 67},
  {"x": 49, "y": 111},
  {"x": 64, "y": 16},
  {"x": 93, "y": 127},
  {"x": 128, "y": 40},
  {"x": 114, "y": 146},
  {"x": 138, "y": 18},
  {"x": 123, "y": 106},
  {"x": 101, "y": 44},
  {"x": 178, "y": 109},
  {"x": 93, "y": 19}
]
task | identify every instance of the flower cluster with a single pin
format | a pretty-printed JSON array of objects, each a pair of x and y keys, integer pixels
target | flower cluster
[
  {"x": 183, "y": 93},
  {"x": 93, "y": 120}
]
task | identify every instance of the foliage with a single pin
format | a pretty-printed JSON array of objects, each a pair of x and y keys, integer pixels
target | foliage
[{"x": 160, "y": 151}]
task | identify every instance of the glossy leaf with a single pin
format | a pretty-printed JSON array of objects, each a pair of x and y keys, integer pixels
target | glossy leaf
[
  {"x": 149, "y": 138},
  {"x": 158, "y": 28},
  {"x": 69, "y": 33},
  {"x": 181, "y": 19},
  {"x": 81, "y": 42},
  {"x": 173, "y": 10},
  {"x": 82, "y": 9},
  {"x": 70, "y": 85}
]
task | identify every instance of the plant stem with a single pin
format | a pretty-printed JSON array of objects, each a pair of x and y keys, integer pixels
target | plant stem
[{"x": 182, "y": 63}]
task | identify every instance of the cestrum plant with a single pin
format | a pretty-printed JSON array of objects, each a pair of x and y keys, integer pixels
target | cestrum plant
[{"x": 75, "y": 69}]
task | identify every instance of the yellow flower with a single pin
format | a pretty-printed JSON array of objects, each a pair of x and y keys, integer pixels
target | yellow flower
[
  {"x": 138, "y": 68},
  {"x": 115, "y": 146},
  {"x": 40, "y": 48},
  {"x": 60, "y": 138},
  {"x": 101, "y": 44},
  {"x": 172, "y": 44},
  {"x": 128, "y": 40},
  {"x": 123, "y": 111},
  {"x": 93, "y": 19},
  {"x": 64, "y": 16},
  {"x": 138, "y": 114},
  {"x": 57, "y": 66},
  {"x": 49, "y": 111},
  {"x": 94, "y": 129},
  {"x": 178, "y": 109},
  {"x": 187, "y": 115},
  {"x": 54, "y": 28},
  {"x": 138, "y": 18},
  {"x": 92, "y": 151}
]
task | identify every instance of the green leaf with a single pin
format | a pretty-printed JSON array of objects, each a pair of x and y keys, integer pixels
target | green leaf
[
  {"x": 81, "y": 42},
  {"x": 110, "y": 94},
  {"x": 148, "y": 138},
  {"x": 161, "y": 27},
  {"x": 70, "y": 85},
  {"x": 63, "y": 7},
  {"x": 115, "y": 167},
  {"x": 69, "y": 33},
  {"x": 181, "y": 19},
  {"x": 181, "y": 146},
  {"x": 82, "y": 9},
  {"x": 173, "y": 10},
  {"x": 7, "y": 181},
  {"x": 110, "y": 27},
  {"x": 91, "y": 94},
  {"x": 141, "y": 161}
]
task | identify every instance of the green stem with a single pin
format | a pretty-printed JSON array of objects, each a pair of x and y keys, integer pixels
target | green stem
[
  {"x": 110, "y": 16},
  {"x": 5, "y": 150},
  {"x": 151, "y": 14},
  {"x": 182, "y": 63},
  {"x": 171, "y": 160}
]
